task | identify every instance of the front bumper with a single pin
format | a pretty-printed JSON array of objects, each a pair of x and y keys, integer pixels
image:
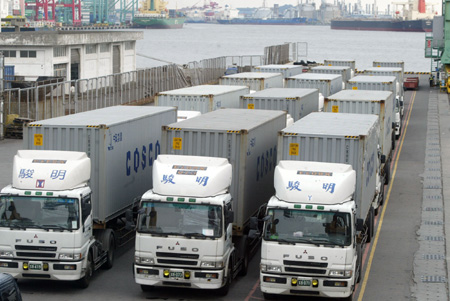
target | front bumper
[
  {"x": 282, "y": 285},
  {"x": 36, "y": 269},
  {"x": 154, "y": 276}
]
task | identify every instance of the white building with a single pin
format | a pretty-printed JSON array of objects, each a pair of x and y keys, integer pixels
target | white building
[{"x": 70, "y": 54}]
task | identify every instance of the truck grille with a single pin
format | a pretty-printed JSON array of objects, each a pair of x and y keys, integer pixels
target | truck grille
[
  {"x": 177, "y": 255},
  {"x": 180, "y": 262},
  {"x": 306, "y": 263},
  {"x": 306, "y": 271},
  {"x": 36, "y": 255},
  {"x": 36, "y": 248}
]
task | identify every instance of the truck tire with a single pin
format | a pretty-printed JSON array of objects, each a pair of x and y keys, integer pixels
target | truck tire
[
  {"x": 147, "y": 288},
  {"x": 268, "y": 296},
  {"x": 245, "y": 253},
  {"x": 86, "y": 280},
  {"x": 387, "y": 172},
  {"x": 109, "y": 240},
  {"x": 223, "y": 291},
  {"x": 370, "y": 225},
  {"x": 359, "y": 263}
]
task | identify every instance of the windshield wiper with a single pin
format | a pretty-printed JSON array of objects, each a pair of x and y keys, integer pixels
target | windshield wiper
[
  {"x": 61, "y": 228},
  {"x": 16, "y": 226},
  {"x": 197, "y": 235},
  {"x": 285, "y": 241}
]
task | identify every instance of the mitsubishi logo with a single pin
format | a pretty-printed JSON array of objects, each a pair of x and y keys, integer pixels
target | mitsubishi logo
[
  {"x": 305, "y": 252},
  {"x": 177, "y": 244},
  {"x": 35, "y": 236}
]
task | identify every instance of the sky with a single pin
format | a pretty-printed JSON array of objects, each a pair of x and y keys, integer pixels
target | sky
[{"x": 382, "y": 4}]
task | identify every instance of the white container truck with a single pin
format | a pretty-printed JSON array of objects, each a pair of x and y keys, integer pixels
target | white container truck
[
  {"x": 256, "y": 81},
  {"x": 380, "y": 103},
  {"x": 61, "y": 218},
  {"x": 380, "y": 83},
  {"x": 210, "y": 245},
  {"x": 285, "y": 70},
  {"x": 203, "y": 98},
  {"x": 322, "y": 212},
  {"x": 344, "y": 71},
  {"x": 296, "y": 102},
  {"x": 327, "y": 84}
]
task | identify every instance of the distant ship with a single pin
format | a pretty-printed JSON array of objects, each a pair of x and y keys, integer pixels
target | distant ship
[
  {"x": 154, "y": 15},
  {"x": 422, "y": 25},
  {"x": 268, "y": 21}
]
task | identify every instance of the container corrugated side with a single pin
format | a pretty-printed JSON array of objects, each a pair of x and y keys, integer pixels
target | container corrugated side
[
  {"x": 297, "y": 103},
  {"x": 375, "y": 83},
  {"x": 337, "y": 138},
  {"x": 326, "y": 87},
  {"x": 399, "y": 64},
  {"x": 247, "y": 138},
  {"x": 347, "y": 63},
  {"x": 388, "y": 71},
  {"x": 202, "y": 100},
  {"x": 121, "y": 153},
  {"x": 256, "y": 81},
  {"x": 343, "y": 71},
  {"x": 380, "y": 103},
  {"x": 285, "y": 70}
]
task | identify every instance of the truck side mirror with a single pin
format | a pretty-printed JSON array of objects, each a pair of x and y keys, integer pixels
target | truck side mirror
[
  {"x": 230, "y": 217},
  {"x": 393, "y": 125},
  {"x": 129, "y": 220},
  {"x": 359, "y": 224},
  {"x": 383, "y": 158},
  {"x": 253, "y": 223}
]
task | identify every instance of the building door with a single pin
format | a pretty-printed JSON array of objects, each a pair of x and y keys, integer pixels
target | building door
[
  {"x": 75, "y": 64},
  {"x": 116, "y": 59}
]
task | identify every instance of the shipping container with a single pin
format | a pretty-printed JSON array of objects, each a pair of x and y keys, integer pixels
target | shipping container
[
  {"x": 372, "y": 82},
  {"x": 337, "y": 138},
  {"x": 296, "y": 102},
  {"x": 388, "y": 71},
  {"x": 122, "y": 143},
  {"x": 203, "y": 98},
  {"x": 346, "y": 63},
  {"x": 399, "y": 64},
  {"x": 247, "y": 138},
  {"x": 344, "y": 71},
  {"x": 380, "y": 103},
  {"x": 254, "y": 80},
  {"x": 327, "y": 84},
  {"x": 285, "y": 70}
]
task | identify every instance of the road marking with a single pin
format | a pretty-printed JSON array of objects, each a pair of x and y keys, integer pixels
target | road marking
[
  {"x": 386, "y": 201},
  {"x": 250, "y": 295}
]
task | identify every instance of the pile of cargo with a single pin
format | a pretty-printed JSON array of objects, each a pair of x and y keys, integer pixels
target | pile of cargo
[{"x": 15, "y": 128}]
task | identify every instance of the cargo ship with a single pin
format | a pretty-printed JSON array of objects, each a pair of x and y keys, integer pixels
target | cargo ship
[
  {"x": 154, "y": 15},
  {"x": 421, "y": 25},
  {"x": 261, "y": 21}
]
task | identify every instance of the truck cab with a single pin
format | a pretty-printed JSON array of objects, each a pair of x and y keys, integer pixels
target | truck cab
[
  {"x": 184, "y": 226},
  {"x": 310, "y": 241},
  {"x": 45, "y": 217}
]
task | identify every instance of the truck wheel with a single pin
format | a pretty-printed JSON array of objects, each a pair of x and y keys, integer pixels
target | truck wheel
[
  {"x": 223, "y": 291},
  {"x": 147, "y": 288},
  {"x": 359, "y": 263},
  {"x": 387, "y": 172},
  {"x": 268, "y": 296},
  {"x": 370, "y": 225},
  {"x": 86, "y": 280},
  {"x": 111, "y": 243},
  {"x": 244, "y": 250}
]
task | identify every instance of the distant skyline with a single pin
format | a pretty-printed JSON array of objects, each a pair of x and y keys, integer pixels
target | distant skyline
[{"x": 381, "y": 4}]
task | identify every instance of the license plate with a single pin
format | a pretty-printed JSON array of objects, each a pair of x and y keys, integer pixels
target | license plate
[
  {"x": 34, "y": 266},
  {"x": 176, "y": 274},
  {"x": 301, "y": 282}
]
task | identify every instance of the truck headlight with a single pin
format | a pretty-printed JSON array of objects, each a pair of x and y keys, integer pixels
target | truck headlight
[
  {"x": 6, "y": 254},
  {"x": 270, "y": 268},
  {"x": 341, "y": 273},
  {"x": 70, "y": 256},
  {"x": 212, "y": 264},
  {"x": 144, "y": 260}
]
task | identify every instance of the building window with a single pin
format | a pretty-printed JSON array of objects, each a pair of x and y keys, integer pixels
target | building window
[
  {"x": 27, "y": 53},
  {"x": 60, "y": 70},
  {"x": 129, "y": 45},
  {"x": 91, "y": 48},
  {"x": 8, "y": 53},
  {"x": 105, "y": 47},
  {"x": 59, "y": 51}
]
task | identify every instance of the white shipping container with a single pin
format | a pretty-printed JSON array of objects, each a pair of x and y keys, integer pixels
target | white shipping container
[
  {"x": 285, "y": 70},
  {"x": 375, "y": 83},
  {"x": 296, "y": 102},
  {"x": 399, "y": 64},
  {"x": 337, "y": 138},
  {"x": 346, "y": 63},
  {"x": 203, "y": 98},
  {"x": 380, "y": 103},
  {"x": 122, "y": 143},
  {"x": 247, "y": 138},
  {"x": 344, "y": 71},
  {"x": 327, "y": 84},
  {"x": 388, "y": 71},
  {"x": 254, "y": 80}
]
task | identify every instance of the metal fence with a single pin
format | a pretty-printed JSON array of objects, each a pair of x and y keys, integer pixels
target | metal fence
[{"x": 135, "y": 87}]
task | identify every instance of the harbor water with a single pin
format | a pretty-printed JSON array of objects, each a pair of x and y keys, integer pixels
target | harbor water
[{"x": 195, "y": 42}]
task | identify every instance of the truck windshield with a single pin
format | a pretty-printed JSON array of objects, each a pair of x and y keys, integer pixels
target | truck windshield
[
  {"x": 307, "y": 226},
  {"x": 39, "y": 212},
  {"x": 191, "y": 220}
]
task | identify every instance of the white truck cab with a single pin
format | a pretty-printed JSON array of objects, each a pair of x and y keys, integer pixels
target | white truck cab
[
  {"x": 45, "y": 217},
  {"x": 309, "y": 245},
  {"x": 184, "y": 228}
]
